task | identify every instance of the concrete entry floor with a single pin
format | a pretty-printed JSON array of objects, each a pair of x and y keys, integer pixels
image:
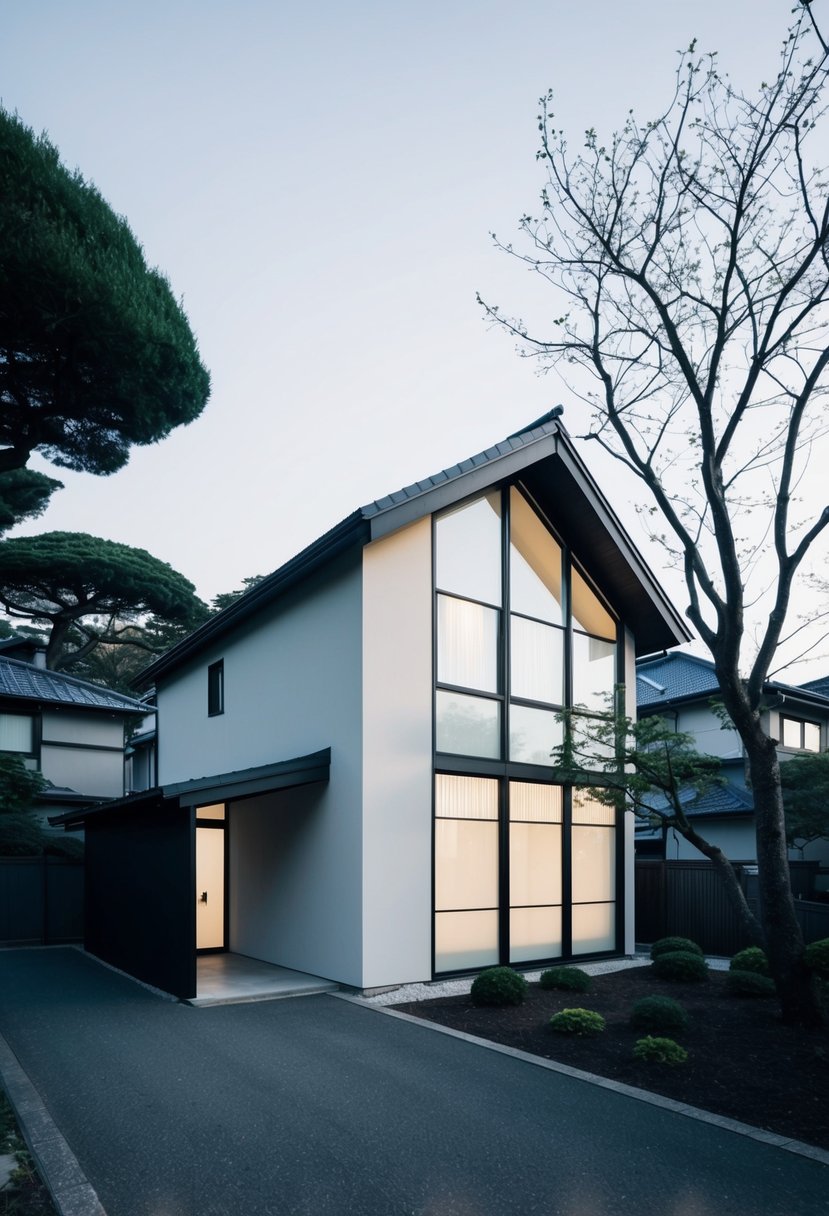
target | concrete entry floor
[{"x": 226, "y": 979}]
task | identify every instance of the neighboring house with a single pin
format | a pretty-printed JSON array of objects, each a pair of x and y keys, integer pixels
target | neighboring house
[
  {"x": 71, "y": 731},
  {"x": 354, "y": 762},
  {"x": 680, "y": 688}
]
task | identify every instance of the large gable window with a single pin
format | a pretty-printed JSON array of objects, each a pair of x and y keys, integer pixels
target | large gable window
[{"x": 525, "y": 869}]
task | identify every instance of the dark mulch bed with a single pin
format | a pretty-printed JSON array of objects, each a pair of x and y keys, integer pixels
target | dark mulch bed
[{"x": 743, "y": 1062}]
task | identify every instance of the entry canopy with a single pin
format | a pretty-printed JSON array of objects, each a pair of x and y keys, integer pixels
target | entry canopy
[{"x": 223, "y": 787}]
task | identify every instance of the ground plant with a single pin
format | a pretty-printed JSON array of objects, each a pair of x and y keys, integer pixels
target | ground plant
[
  {"x": 749, "y": 983},
  {"x": 659, "y": 1013},
  {"x": 669, "y": 945},
  {"x": 568, "y": 979},
  {"x": 680, "y": 965},
  {"x": 499, "y": 986},
  {"x": 751, "y": 959},
  {"x": 25, "y": 1193},
  {"x": 577, "y": 1021},
  {"x": 656, "y": 1050},
  {"x": 817, "y": 957}
]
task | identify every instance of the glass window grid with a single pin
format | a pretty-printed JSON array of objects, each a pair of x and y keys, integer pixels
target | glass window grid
[
  {"x": 569, "y": 818},
  {"x": 800, "y": 725},
  {"x": 504, "y": 695}
]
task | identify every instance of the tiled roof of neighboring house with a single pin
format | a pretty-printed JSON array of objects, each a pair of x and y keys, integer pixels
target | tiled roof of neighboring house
[
  {"x": 25, "y": 681},
  {"x": 580, "y": 500},
  {"x": 720, "y": 800},
  {"x": 685, "y": 677},
  {"x": 820, "y": 685}
]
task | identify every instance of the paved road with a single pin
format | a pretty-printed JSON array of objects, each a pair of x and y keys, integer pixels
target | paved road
[{"x": 315, "y": 1105}]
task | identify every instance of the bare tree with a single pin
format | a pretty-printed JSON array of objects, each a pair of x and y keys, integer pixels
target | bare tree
[{"x": 689, "y": 262}]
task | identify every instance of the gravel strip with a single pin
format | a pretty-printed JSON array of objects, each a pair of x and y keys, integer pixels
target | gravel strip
[{"x": 427, "y": 992}]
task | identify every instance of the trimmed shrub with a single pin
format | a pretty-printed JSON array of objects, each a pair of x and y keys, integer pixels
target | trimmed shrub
[
  {"x": 658, "y": 1013},
  {"x": 816, "y": 957},
  {"x": 670, "y": 945},
  {"x": 749, "y": 983},
  {"x": 680, "y": 966},
  {"x": 751, "y": 959},
  {"x": 498, "y": 986},
  {"x": 660, "y": 1051},
  {"x": 577, "y": 1021},
  {"x": 570, "y": 979}
]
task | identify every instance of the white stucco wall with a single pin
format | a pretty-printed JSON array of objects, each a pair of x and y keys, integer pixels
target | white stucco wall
[
  {"x": 292, "y": 681},
  {"x": 701, "y": 722},
  {"x": 397, "y": 757},
  {"x": 93, "y": 761}
]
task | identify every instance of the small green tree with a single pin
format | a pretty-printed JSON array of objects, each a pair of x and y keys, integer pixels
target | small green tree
[
  {"x": 805, "y": 782},
  {"x": 87, "y": 592},
  {"x": 656, "y": 772},
  {"x": 20, "y": 833},
  {"x": 96, "y": 353}
]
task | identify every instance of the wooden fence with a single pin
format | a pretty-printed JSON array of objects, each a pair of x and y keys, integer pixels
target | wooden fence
[
  {"x": 687, "y": 899},
  {"x": 41, "y": 900}
]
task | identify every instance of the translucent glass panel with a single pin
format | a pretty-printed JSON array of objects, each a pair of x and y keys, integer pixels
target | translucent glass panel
[
  {"x": 803, "y": 735},
  {"x": 468, "y": 726},
  {"x": 588, "y": 612},
  {"x": 587, "y": 809},
  {"x": 592, "y": 752},
  {"x": 16, "y": 733},
  {"x": 535, "y": 564},
  {"x": 594, "y": 673},
  {"x": 465, "y": 797},
  {"x": 215, "y": 811},
  {"x": 467, "y": 644},
  {"x": 811, "y": 737},
  {"x": 534, "y": 933},
  {"x": 536, "y": 661},
  {"x": 465, "y": 939},
  {"x": 468, "y": 549},
  {"x": 534, "y": 863},
  {"x": 594, "y": 927},
  {"x": 466, "y": 872},
  {"x": 466, "y": 864},
  {"x": 593, "y": 864},
  {"x": 533, "y": 734},
  {"x": 531, "y": 803}
]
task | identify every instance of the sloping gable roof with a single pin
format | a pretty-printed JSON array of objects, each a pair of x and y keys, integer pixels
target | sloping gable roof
[
  {"x": 820, "y": 686},
  {"x": 536, "y": 451},
  {"x": 26, "y": 682}
]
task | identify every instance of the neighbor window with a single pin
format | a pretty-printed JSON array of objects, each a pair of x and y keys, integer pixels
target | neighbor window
[
  {"x": 795, "y": 733},
  {"x": 17, "y": 733},
  {"x": 216, "y": 688}
]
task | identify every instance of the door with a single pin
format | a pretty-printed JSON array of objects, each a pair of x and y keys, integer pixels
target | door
[{"x": 210, "y": 887}]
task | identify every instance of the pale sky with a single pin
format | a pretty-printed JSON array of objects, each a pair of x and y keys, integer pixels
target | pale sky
[{"x": 318, "y": 182}]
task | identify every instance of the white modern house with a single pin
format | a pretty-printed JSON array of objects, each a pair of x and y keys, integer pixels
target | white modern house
[{"x": 354, "y": 759}]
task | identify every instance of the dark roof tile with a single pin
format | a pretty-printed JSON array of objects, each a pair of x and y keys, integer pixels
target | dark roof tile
[{"x": 28, "y": 682}]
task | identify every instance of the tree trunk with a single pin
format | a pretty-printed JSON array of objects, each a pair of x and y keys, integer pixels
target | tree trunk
[{"x": 795, "y": 984}]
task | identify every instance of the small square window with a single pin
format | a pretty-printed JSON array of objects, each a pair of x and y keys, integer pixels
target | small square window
[{"x": 216, "y": 688}]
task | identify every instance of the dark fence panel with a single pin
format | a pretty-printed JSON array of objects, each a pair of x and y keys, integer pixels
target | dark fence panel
[
  {"x": 687, "y": 899},
  {"x": 41, "y": 900}
]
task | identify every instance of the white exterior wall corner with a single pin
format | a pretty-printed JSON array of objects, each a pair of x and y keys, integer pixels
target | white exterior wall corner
[
  {"x": 397, "y": 757},
  {"x": 630, "y": 818},
  {"x": 292, "y": 686}
]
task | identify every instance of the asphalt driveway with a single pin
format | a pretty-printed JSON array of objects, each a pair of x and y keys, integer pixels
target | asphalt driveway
[{"x": 317, "y": 1105}]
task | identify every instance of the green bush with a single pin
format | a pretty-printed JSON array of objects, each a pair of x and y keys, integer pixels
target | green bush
[
  {"x": 571, "y": 979},
  {"x": 816, "y": 956},
  {"x": 20, "y": 835},
  {"x": 751, "y": 959},
  {"x": 658, "y": 1013},
  {"x": 749, "y": 983},
  {"x": 498, "y": 986},
  {"x": 577, "y": 1021},
  {"x": 670, "y": 945},
  {"x": 660, "y": 1051},
  {"x": 680, "y": 966}
]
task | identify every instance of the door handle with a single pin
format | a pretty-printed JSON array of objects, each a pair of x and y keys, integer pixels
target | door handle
[{"x": 203, "y": 897}]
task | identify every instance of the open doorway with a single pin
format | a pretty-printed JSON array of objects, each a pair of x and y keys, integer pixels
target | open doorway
[{"x": 211, "y": 872}]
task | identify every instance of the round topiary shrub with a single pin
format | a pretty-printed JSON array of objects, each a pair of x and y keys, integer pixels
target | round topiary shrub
[
  {"x": 658, "y": 1013},
  {"x": 670, "y": 945},
  {"x": 680, "y": 966},
  {"x": 570, "y": 979},
  {"x": 749, "y": 983},
  {"x": 816, "y": 957},
  {"x": 660, "y": 1051},
  {"x": 577, "y": 1021},
  {"x": 751, "y": 959},
  {"x": 498, "y": 986}
]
